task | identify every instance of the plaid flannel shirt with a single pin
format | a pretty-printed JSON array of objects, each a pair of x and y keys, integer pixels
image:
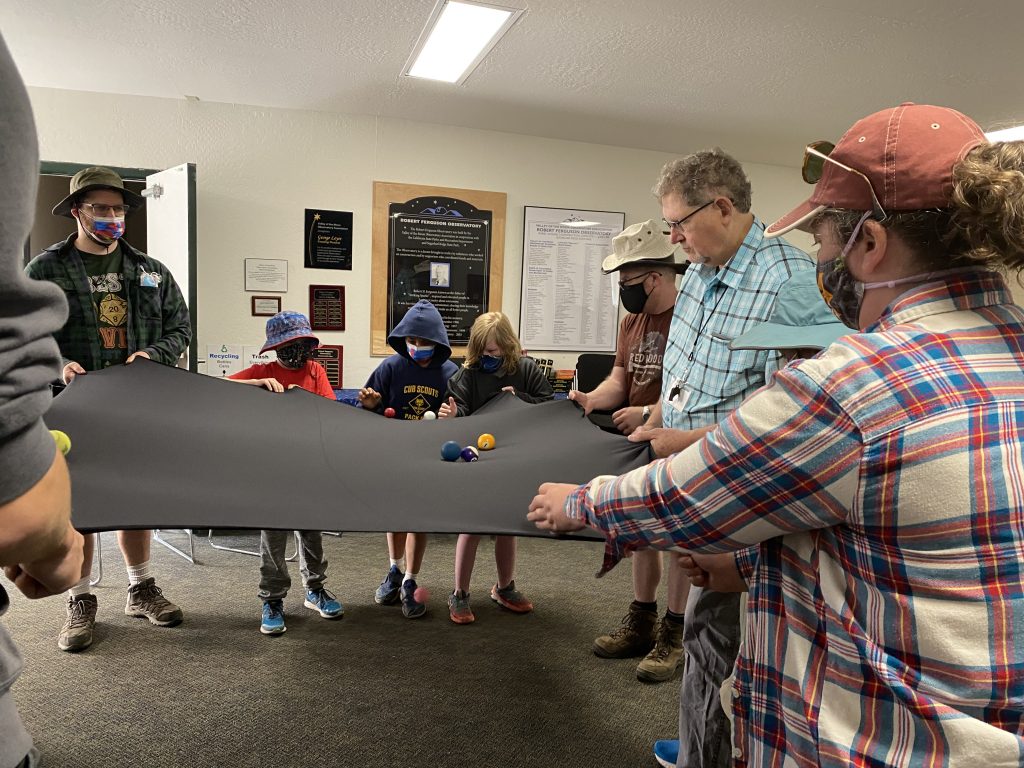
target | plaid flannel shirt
[
  {"x": 158, "y": 318},
  {"x": 714, "y": 306},
  {"x": 884, "y": 483}
]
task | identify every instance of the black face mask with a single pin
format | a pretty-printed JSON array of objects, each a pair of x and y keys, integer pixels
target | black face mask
[
  {"x": 634, "y": 297},
  {"x": 294, "y": 355}
]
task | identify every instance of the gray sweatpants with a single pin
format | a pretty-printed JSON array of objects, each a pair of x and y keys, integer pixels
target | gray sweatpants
[
  {"x": 274, "y": 578},
  {"x": 711, "y": 640}
]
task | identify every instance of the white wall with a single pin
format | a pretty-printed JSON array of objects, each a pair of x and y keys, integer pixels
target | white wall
[{"x": 258, "y": 168}]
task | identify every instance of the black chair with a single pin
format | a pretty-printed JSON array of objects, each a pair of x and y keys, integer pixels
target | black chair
[{"x": 591, "y": 369}]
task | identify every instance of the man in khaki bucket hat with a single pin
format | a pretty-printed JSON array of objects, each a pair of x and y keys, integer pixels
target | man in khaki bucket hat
[{"x": 648, "y": 264}]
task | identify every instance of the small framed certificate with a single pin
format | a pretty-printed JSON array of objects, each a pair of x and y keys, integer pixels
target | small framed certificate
[
  {"x": 265, "y": 306},
  {"x": 266, "y": 275}
]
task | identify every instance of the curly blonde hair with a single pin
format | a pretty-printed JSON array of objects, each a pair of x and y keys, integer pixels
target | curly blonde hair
[
  {"x": 496, "y": 327},
  {"x": 988, "y": 201}
]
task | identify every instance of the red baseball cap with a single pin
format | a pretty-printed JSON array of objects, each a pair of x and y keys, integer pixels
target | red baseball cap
[{"x": 907, "y": 153}]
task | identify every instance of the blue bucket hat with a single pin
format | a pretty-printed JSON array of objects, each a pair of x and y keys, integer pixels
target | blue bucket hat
[
  {"x": 285, "y": 327},
  {"x": 800, "y": 319}
]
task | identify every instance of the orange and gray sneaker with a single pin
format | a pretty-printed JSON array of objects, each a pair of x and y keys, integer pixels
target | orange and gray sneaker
[
  {"x": 458, "y": 607},
  {"x": 511, "y": 598}
]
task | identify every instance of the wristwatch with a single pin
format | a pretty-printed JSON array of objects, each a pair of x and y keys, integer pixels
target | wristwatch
[{"x": 647, "y": 412}]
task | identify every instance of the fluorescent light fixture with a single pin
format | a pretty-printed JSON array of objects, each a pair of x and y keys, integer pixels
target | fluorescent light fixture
[
  {"x": 458, "y": 35},
  {"x": 1016, "y": 133}
]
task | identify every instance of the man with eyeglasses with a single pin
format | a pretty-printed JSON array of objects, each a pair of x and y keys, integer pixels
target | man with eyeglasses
[
  {"x": 731, "y": 286},
  {"x": 648, "y": 265},
  {"x": 124, "y": 305}
]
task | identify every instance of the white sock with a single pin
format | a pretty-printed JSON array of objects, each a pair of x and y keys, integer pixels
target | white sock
[
  {"x": 81, "y": 588},
  {"x": 138, "y": 573},
  {"x": 409, "y": 576},
  {"x": 399, "y": 563}
]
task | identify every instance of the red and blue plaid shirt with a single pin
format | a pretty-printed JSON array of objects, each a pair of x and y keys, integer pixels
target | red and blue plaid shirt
[{"x": 884, "y": 484}]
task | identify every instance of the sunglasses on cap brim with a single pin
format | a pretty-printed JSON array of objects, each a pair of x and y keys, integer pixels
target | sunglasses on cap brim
[{"x": 813, "y": 168}]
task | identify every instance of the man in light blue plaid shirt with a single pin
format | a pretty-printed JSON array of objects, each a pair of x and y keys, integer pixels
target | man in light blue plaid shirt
[{"x": 705, "y": 201}]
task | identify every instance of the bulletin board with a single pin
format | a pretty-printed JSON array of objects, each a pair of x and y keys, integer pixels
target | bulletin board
[{"x": 442, "y": 244}]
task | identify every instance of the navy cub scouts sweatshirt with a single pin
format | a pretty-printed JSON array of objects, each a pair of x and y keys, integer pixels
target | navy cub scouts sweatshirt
[{"x": 406, "y": 386}]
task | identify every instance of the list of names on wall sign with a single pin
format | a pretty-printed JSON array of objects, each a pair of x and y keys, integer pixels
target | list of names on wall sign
[
  {"x": 331, "y": 358},
  {"x": 327, "y": 307},
  {"x": 567, "y": 302}
]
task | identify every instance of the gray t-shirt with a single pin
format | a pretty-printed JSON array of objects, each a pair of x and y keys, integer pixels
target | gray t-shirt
[{"x": 29, "y": 360}]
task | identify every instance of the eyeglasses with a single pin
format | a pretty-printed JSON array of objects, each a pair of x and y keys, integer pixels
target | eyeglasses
[
  {"x": 678, "y": 225},
  {"x": 635, "y": 280},
  {"x": 815, "y": 157},
  {"x": 102, "y": 210}
]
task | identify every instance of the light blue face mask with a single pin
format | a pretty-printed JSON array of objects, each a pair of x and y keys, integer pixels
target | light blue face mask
[
  {"x": 489, "y": 363},
  {"x": 420, "y": 353}
]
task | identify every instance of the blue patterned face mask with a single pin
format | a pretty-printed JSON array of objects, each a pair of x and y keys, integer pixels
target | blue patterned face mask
[
  {"x": 489, "y": 363},
  {"x": 420, "y": 353}
]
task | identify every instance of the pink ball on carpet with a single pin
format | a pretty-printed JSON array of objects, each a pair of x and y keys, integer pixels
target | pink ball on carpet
[{"x": 421, "y": 595}]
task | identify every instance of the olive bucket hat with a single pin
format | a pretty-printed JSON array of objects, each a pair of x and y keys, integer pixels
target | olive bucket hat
[{"x": 92, "y": 178}]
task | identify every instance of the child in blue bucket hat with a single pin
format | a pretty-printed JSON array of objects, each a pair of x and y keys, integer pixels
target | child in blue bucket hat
[{"x": 291, "y": 338}]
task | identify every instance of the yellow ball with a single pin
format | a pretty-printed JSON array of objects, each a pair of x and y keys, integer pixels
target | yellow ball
[
  {"x": 485, "y": 442},
  {"x": 62, "y": 440}
]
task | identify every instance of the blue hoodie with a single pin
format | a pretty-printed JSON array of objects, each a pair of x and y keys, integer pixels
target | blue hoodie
[{"x": 409, "y": 388}]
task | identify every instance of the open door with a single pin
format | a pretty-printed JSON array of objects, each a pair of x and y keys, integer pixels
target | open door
[{"x": 171, "y": 234}]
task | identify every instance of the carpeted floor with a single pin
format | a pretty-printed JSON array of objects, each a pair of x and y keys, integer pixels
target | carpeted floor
[{"x": 373, "y": 689}]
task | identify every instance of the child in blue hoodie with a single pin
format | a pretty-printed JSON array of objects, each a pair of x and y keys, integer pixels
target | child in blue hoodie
[{"x": 412, "y": 382}]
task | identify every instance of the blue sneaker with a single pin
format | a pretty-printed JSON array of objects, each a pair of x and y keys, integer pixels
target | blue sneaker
[
  {"x": 387, "y": 592},
  {"x": 411, "y": 607},
  {"x": 324, "y": 603},
  {"x": 666, "y": 752},
  {"x": 273, "y": 618}
]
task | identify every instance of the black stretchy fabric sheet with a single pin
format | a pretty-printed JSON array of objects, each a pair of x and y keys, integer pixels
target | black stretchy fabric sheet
[{"x": 159, "y": 447}]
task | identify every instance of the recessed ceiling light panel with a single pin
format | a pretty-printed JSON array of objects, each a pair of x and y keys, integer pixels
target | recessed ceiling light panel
[
  {"x": 458, "y": 35},
  {"x": 1016, "y": 133}
]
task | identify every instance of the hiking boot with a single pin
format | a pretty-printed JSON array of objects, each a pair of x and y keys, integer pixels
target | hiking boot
[
  {"x": 635, "y": 636},
  {"x": 273, "y": 618},
  {"x": 387, "y": 592},
  {"x": 324, "y": 603},
  {"x": 458, "y": 608},
  {"x": 146, "y": 601},
  {"x": 76, "y": 634},
  {"x": 411, "y": 607},
  {"x": 660, "y": 664},
  {"x": 511, "y": 598}
]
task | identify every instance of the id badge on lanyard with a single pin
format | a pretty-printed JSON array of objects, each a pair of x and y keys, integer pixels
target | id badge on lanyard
[{"x": 678, "y": 394}]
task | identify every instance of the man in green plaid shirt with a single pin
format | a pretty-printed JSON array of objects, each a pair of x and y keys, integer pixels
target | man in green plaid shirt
[{"x": 123, "y": 305}]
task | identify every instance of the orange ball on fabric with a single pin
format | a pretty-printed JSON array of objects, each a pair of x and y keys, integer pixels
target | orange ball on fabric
[{"x": 485, "y": 442}]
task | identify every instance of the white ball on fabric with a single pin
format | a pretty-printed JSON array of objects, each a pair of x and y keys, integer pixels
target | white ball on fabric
[{"x": 428, "y": 416}]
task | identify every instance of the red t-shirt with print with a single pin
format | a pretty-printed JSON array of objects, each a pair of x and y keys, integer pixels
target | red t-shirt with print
[{"x": 311, "y": 377}]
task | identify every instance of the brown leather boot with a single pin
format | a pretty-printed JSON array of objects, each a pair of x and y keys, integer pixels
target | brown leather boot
[
  {"x": 660, "y": 664},
  {"x": 634, "y": 637}
]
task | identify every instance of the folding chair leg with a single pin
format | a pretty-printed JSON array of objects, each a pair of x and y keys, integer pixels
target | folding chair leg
[
  {"x": 190, "y": 555},
  {"x": 290, "y": 558}
]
